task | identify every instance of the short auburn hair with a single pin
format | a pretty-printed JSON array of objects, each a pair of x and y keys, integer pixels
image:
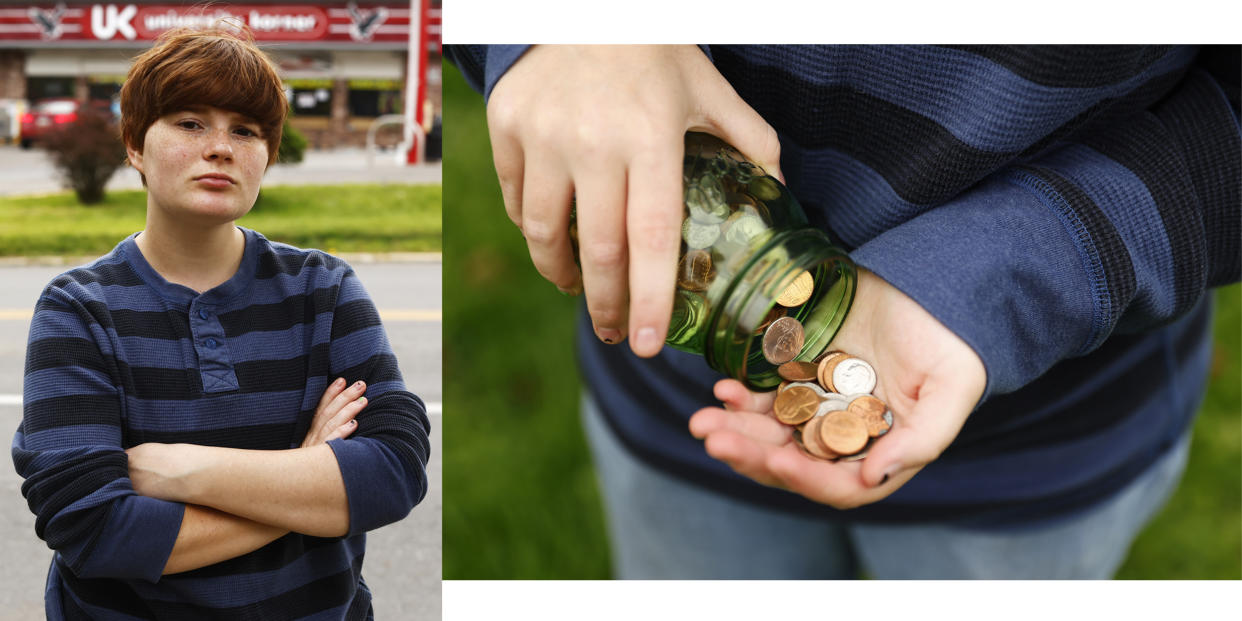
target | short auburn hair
[{"x": 219, "y": 67}]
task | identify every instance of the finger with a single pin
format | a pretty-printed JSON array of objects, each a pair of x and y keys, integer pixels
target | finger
[
  {"x": 739, "y": 125},
  {"x": 347, "y": 413},
  {"x": 743, "y": 454},
  {"x": 509, "y": 159},
  {"x": 736, "y": 396},
  {"x": 918, "y": 439},
  {"x": 342, "y": 431},
  {"x": 653, "y": 214},
  {"x": 600, "y": 189},
  {"x": 829, "y": 483},
  {"x": 545, "y": 224},
  {"x": 759, "y": 427},
  {"x": 355, "y": 390},
  {"x": 330, "y": 393}
]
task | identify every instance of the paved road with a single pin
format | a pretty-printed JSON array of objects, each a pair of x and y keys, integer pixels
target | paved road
[
  {"x": 30, "y": 171},
  {"x": 403, "y": 559}
]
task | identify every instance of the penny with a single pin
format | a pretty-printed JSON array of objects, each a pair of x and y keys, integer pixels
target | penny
[
  {"x": 853, "y": 375},
  {"x": 812, "y": 442},
  {"x": 872, "y": 411},
  {"x": 826, "y": 366},
  {"x": 796, "y": 371},
  {"x": 843, "y": 432},
  {"x": 695, "y": 270},
  {"x": 795, "y": 405},
  {"x": 699, "y": 235},
  {"x": 776, "y": 313},
  {"x": 783, "y": 340},
  {"x": 798, "y": 292}
]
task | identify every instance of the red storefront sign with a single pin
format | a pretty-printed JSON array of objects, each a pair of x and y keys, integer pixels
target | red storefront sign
[{"x": 346, "y": 22}]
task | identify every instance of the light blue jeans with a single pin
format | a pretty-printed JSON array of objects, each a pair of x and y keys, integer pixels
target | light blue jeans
[{"x": 662, "y": 527}]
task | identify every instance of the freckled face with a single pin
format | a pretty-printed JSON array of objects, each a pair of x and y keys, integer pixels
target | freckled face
[{"x": 203, "y": 164}]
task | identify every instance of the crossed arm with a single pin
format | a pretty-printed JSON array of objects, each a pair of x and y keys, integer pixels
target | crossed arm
[{"x": 237, "y": 501}]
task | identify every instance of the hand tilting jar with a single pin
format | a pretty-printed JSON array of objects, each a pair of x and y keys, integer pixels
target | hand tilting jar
[{"x": 745, "y": 245}]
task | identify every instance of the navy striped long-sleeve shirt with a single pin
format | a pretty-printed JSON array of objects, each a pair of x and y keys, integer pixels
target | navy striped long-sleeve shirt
[
  {"x": 118, "y": 357},
  {"x": 1063, "y": 209}
]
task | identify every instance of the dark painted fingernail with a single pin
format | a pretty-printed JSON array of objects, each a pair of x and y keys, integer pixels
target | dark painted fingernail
[{"x": 884, "y": 480}]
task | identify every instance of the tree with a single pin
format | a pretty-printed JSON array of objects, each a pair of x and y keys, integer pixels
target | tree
[{"x": 86, "y": 153}]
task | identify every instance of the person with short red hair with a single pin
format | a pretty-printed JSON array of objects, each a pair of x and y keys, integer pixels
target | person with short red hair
[{"x": 195, "y": 438}]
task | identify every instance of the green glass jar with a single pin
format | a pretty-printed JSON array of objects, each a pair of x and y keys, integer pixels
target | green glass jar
[{"x": 745, "y": 242}]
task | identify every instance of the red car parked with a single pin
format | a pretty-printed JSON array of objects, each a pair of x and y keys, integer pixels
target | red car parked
[{"x": 46, "y": 115}]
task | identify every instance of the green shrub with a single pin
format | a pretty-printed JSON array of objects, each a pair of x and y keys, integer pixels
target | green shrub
[
  {"x": 292, "y": 145},
  {"x": 86, "y": 153}
]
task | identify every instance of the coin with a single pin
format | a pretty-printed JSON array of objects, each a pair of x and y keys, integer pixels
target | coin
[
  {"x": 853, "y": 375},
  {"x": 783, "y": 340},
  {"x": 813, "y": 386},
  {"x": 795, "y": 371},
  {"x": 795, "y": 405},
  {"x": 798, "y": 292},
  {"x": 843, "y": 432},
  {"x": 742, "y": 226},
  {"x": 776, "y": 313},
  {"x": 764, "y": 188},
  {"x": 703, "y": 208},
  {"x": 826, "y": 366},
  {"x": 832, "y": 402},
  {"x": 695, "y": 271},
  {"x": 812, "y": 442},
  {"x": 872, "y": 412},
  {"x": 699, "y": 235}
]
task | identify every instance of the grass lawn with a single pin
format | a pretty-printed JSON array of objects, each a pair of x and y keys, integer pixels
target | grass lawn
[
  {"x": 336, "y": 218},
  {"x": 521, "y": 499}
]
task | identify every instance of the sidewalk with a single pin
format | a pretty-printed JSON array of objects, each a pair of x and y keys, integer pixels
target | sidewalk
[{"x": 30, "y": 171}]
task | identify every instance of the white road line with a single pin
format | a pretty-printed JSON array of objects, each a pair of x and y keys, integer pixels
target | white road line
[{"x": 434, "y": 408}]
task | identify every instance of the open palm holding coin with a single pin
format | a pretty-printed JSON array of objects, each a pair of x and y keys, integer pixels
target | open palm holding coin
[{"x": 928, "y": 376}]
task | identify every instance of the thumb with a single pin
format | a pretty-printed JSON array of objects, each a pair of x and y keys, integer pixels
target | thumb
[
  {"x": 734, "y": 121},
  {"x": 918, "y": 438}
]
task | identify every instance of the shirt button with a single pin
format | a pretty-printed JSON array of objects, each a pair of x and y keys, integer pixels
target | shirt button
[
  {"x": 202, "y": 313},
  {"x": 211, "y": 343}
]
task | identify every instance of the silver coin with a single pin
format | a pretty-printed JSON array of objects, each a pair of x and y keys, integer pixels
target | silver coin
[
  {"x": 704, "y": 210},
  {"x": 853, "y": 376},
  {"x": 745, "y": 227},
  {"x": 888, "y": 418},
  {"x": 832, "y": 403},
  {"x": 699, "y": 235},
  {"x": 783, "y": 340}
]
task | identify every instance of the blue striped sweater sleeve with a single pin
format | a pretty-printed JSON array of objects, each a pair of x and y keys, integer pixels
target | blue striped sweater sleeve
[
  {"x": 383, "y": 463},
  {"x": 69, "y": 448},
  {"x": 1120, "y": 228}
]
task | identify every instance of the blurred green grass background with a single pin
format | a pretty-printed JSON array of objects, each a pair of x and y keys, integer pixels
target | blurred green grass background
[
  {"x": 335, "y": 218},
  {"x": 521, "y": 500}
]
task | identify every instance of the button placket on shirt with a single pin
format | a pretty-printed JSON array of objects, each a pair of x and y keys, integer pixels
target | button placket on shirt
[{"x": 215, "y": 363}]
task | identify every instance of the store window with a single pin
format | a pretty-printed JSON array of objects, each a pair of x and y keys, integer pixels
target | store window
[
  {"x": 43, "y": 88},
  {"x": 372, "y": 98},
  {"x": 310, "y": 97}
]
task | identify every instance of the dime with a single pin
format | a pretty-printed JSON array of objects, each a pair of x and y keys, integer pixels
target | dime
[
  {"x": 871, "y": 410},
  {"x": 797, "y": 371},
  {"x": 695, "y": 271},
  {"x": 832, "y": 402},
  {"x": 826, "y": 366},
  {"x": 813, "y": 386},
  {"x": 699, "y": 235},
  {"x": 853, "y": 375},
  {"x": 812, "y": 442},
  {"x": 795, "y": 405},
  {"x": 843, "y": 432},
  {"x": 798, "y": 292},
  {"x": 783, "y": 340}
]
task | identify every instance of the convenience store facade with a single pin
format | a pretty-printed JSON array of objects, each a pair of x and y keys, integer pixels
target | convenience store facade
[{"x": 343, "y": 63}]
